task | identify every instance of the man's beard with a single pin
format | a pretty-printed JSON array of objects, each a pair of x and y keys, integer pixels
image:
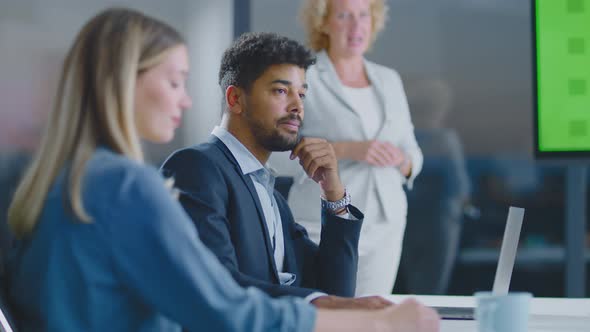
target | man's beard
[
  {"x": 272, "y": 139},
  {"x": 282, "y": 142}
]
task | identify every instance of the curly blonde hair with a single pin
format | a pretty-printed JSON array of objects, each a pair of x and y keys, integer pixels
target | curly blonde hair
[{"x": 314, "y": 13}]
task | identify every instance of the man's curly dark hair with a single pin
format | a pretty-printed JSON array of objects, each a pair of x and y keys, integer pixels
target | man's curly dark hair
[{"x": 253, "y": 52}]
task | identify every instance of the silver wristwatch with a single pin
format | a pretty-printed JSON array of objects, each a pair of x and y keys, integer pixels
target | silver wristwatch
[{"x": 336, "y": 206}]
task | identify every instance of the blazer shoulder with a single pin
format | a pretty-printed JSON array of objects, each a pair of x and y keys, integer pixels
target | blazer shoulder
[
  {"x": 121, "y": 184},
  {"x": 106, "y": 168},
  {"x": 202, "y": 155},
  {"x": 386, "y": 73}
]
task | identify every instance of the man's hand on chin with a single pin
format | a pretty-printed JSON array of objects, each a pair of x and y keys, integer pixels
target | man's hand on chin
[
  {"x": 361, "y": 303},
  {"x": 318, "y": 159}
]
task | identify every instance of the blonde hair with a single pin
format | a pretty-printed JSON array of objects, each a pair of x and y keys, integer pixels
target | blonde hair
[
  {"x": 94, "y": 107},
  {"x": 314, "y": 13}
]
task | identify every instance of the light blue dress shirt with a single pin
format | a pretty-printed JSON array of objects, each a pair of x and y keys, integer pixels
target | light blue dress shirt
[{"x": 137, "y": 266}]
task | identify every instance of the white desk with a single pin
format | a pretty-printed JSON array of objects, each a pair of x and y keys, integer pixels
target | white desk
[{"x": 547, "y": 314}]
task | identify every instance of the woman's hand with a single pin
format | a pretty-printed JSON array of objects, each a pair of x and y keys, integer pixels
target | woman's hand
[{"x": 376, "y": 153}]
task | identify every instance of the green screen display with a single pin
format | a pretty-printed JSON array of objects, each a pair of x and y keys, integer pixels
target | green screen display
[{"x": 562, "y": 51}]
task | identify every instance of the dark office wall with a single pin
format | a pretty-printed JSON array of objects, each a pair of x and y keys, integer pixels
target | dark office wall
[{"x": 35, "y": 36}]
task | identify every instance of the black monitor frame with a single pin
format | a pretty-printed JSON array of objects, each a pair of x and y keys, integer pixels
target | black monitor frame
[{"x": 582, "y": 156}]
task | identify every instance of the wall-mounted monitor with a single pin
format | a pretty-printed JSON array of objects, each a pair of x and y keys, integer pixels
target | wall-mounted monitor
[{"x": 561, "y": 58}]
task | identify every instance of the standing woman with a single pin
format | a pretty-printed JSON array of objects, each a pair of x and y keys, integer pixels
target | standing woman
[
  {"x": 102, "y": 244},
  {"x": 361, "y": 108}
]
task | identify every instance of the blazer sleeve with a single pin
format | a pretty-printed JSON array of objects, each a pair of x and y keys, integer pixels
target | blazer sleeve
[
  {"x": 204, "y": 195},
  {"x": 158, "y": 256},
  {"x": 408, "y": 141},
  {"x": 331, "y": 266}
]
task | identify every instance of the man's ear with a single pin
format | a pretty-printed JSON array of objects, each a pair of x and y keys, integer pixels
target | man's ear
[{"x": 233, "y": 99}]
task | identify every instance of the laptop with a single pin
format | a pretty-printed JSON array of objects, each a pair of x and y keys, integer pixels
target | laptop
[
  {"x": 503, "y": 270},
  {"x": 4, "y": 324}
]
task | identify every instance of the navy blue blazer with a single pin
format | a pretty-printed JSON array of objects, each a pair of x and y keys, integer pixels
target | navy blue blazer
[{"x": 225, "y": 208}]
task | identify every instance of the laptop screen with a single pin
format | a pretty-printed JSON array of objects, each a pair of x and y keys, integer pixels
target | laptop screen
[
  {"x": 503, "y": 269},
  {"x": 508, "y": 251}
]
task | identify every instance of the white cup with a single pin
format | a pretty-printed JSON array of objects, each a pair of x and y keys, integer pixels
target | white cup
[{"x": 502, "y": 313}]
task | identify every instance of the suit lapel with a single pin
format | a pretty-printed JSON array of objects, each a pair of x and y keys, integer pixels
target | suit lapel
[
  {"x": 290, "y": 262},
  {"x": 254, "y": 194},
  {"x": 269, "y": 250},
  {"x": 375, "y": 80},
  {"x": 330, "y": 79}
]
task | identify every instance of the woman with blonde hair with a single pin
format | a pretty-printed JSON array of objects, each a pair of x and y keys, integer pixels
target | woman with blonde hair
[
  {"x": 103, "y": 245},
  {"x": 365, "y": 107}
]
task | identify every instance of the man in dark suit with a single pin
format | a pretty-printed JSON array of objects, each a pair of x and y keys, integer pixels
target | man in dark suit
[{"x": 229, "y": 193}]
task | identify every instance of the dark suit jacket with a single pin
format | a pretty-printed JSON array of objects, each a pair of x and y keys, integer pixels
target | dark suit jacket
[{"x": 225, "y": 208}]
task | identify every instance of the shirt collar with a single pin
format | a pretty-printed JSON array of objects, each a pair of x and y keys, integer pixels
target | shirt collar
[{"x": 248, "y": 163}]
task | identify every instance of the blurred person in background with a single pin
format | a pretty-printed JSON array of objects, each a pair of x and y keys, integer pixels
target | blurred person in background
[
  {"x": 360, "y": 107},
  {"x": 432, "y": 237}
]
